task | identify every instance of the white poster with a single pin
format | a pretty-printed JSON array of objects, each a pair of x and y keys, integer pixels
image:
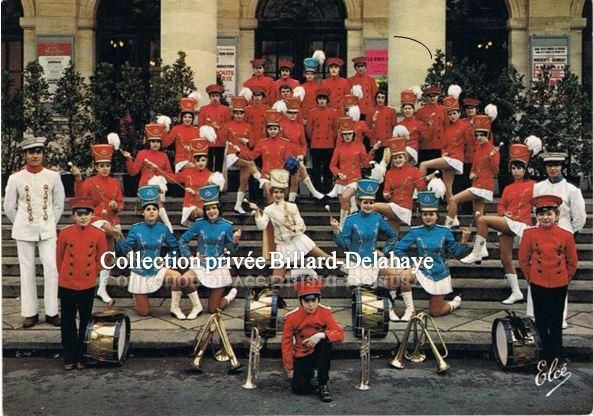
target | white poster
[
  {"x": 227, "y": 69},
  {"x": 54, "y": 55}
]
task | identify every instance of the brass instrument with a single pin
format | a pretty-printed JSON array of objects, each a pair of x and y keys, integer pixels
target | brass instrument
[
  {"x": 253, "y": 366},
  {"x": 203, "y": 339},
  {"x": 365, "y": 360},
  {"x": 421, "y": 320}
]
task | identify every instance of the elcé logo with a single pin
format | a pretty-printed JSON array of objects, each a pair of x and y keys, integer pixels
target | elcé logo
[{"x": 551, "y": 374}]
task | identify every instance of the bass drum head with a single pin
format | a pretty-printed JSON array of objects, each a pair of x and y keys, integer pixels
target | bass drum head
[
  {"x": 122, "y": 339},
  {"x": 501, "y": 345},
  {"x": 261, "y": 310},
  {"x": 370, "y": 311}
]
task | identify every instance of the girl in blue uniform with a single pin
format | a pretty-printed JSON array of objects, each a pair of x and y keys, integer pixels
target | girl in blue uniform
[
  {"x": 216, "y": 241},
  {"x": 434, "y": 241}
]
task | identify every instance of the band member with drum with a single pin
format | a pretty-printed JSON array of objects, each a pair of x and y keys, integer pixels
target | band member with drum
[
  {"x": 216, "y": 240},
  {"x": 484, "y": 168},
  {"x": 33, "y": 203},
  {"x": 307, "y": 337},
  {"x": 78, "y": 255},
  {"x": 182, "y": 133},
  {"x": 514, "y": 209},
  {"x": 360, "y": 234},
  {"x": 435, "y": 241},
  {"x": 548, "y": 259}
]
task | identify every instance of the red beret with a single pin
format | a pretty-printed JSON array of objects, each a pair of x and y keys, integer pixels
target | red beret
[
  {"x": 257, "y": 62},
  {"x": 546, "y": 201}
]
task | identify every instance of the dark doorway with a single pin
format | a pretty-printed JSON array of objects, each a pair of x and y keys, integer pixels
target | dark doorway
[
  {"x": 587, "y": 47},
  {"x": 12, "y": 41},
  {"x": 294, "y": 29}
]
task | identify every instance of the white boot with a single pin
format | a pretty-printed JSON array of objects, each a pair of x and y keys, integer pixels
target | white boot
[
  {"x": 292, "y": 196},
  {"x": 102, "y": 290},
  {"x": 409, "y": 302},
  {"x": 564, "y": 323},
  {"x": 333, "y": 193},
  {"x": 516, "y": 294},
  {"x": 449, "y": 222},
  {"x": 231, "y": 295},
  {"x": 529, "y": 309},
  {"x": 239, "y": 203},
  {"x": 478, "y": 252},
  {"x": 197, "y": 305},
  {"x": 455, "y": 222},
  {"x": 165, "y": 218},
  {"x": 257, "y": 177},
  {"x": 175, "y": 311},
  {"x": 353, "y": 206},
  {"x": 316, "y": 194},
  {"x": 455, "y": 303},
  {"x": 343, "y": 214},
  {"x": 392, "y": 315}
]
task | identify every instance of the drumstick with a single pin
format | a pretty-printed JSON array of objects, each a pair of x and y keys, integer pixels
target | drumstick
[
  {"x": 162, "y": 172},
  {"x": 423, "y": 178},
  {"x": 327, "y": 208},
  {"x": 271, "y": 218}
]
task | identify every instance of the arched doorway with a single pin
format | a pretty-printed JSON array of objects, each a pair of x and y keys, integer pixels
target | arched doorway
[
  {"x": 12, "y": 41},
  {"x": 294, "y": 29}
]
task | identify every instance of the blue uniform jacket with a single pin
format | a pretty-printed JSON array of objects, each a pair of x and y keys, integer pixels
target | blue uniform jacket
[
  {"x": 360, "y": 234},
  {"x": 436, "y": 242},
  {"x": 214, "y": 238}
]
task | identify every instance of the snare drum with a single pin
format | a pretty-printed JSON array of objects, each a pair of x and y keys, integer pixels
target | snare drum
[
  {"x": 261, "y": 310},
  {"x": 371, "y": 311},
  {"x": 515, "y": 342},
  {"x": 107, "y": 337}
]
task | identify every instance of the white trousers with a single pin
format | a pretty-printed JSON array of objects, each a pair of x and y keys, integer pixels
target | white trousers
[{"x": 47, "y": 255}]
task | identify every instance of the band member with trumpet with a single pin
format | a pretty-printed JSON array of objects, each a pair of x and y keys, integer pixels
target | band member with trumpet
[
  {"x": 484, "y": 168},
  {"x": 548, "y": 259},
  {"x": 182, "y": 133},
  {"x": 360, "y": 234},
  {"x": 106, "y": 191},
  {"x": 436, "y": 241},
  {"x": 148, "y": 238},
  {"x": 216, "y": 239},
  {"x": 307, "y": 337},
  {"x": 514, "y": 209},
  {"x": 78, "y": 255},
  {"x": 33, "y": 203},
  {"x": 215, "y": 115}
]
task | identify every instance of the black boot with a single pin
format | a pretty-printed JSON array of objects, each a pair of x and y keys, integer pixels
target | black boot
[{"x": 324, "y": 393}]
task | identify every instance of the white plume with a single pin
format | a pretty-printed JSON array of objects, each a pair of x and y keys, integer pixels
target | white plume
[
  {"x": 247, "y": 93},
  {"x": 378, "y": 172},
  {"x": 299, "y": 92},
  {"x": 195, "y": 95},
  {"x": 208, "y": 133},
  {"x": 280, "y": 106},
  {"x": 357, "y": 91},
  {"x": 417, "y": 91},
  {"x": 159, "y": 181},
  {"x": 319, "y": 56},
  {"x": 454, "y": 90},
  {"x": 437, "y": 186},
  {"x": 354, "y": 112},
  {"x": 217, "y": 179},
  {"x": 492, "y": 111},
  {"x": 113, "y": 140},
  {"x": 534, "y": 144},
  {"x": 165, "y": 121},
  {"x": 401, "y": 131}
]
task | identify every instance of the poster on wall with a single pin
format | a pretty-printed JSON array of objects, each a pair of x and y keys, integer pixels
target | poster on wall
[
  {"x": 551, "y": 53},
  {"x": 54, "y": 55},
  {"x": 375, "y": 50},
  {"x": 227, "y": 69}
]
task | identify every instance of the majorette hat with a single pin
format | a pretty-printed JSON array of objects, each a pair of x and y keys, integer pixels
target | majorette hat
[
  {"x": 397, "y": 145},
  {"x": 188, "y": 105},
  {"x": 279, "y": 178},
  {"x": 199, "y": 146},
  {"x": 350, "y": 100},
  {"x": 239, "y": 103},
  {"x": 450, "y": 103},
  {"x": 258, "y": 90},
  {"x": 154, "y": 131},
  {"x": 519, "y": 152},
  {"x": 310, "y": 64},
  {"x": 366, "y": 188},
  {"x": 293, "y": 104},
  {"x": 346, "y": 125},
  {"x": 408, "y": 97},
  {"x": 482, "y": 123},
  {"x": 102, "y": 153},
  {"x": 428, "y": 201},
  {"x": 209, "y": 194},
  {"x": 273, "y": 118},
  {"x": 148, "y": 195}
]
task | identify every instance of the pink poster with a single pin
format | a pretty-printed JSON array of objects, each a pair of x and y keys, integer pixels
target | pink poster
[{"x": 377, "y": 62}]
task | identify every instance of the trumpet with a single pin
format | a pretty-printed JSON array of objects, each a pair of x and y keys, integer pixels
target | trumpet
[
  {"x": 204, "y": 338},
  {"x": 365, "y": 360},
  {"x": 253, "y": 366},
  {"x": 421, "y": 320}
]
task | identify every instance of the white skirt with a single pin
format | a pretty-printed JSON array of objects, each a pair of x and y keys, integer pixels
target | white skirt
[
  {"x": 516, "y": 227},
  {"x": 231, "y": 159},
  {"x": 404, "y": 214},
  {"x": 302, "y": 243},
  {"x": 362, "y": 275},
  {"x": 442, "y": 287},
  {"x": 185, "y": 214},
  {"x": 482, "y": 193},
  {"x": 213, "y": 279},
  {"x": 339, "y": 189},
  {"x": 141, "y": 285},
  {"x": 456, "y": 164}
]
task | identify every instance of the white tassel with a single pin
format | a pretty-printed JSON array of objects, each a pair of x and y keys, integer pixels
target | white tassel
[
  {"x": 401, "y": 131},
  {"x": 208, "y": 133},
  {"x": 454, "y": 91},
  {"x": 357, "y": 91},
  {"x": 280, "y": 106},
  {"x": 299, "y": 92},
  {"x": 437, "y": 186},
  {"x": 113, "y": 140},
  {"x": 534, "y": 144},
  {"x": 159, "y": 181},
  {"x": 378, "y": 172},
  {"x": 247, "y": 93},
  {"x": 354, "y": 112},
  {"x": 195, "y": 95},
  {"x": 319, "y": 56},
  {"x": 165, "y": 121},
  {"x": 217, "y": 179},
  {"x": 417, "y": 91},
  {"x": 492, "y": 111}
]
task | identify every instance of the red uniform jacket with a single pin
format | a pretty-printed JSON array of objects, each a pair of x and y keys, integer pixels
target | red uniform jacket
[
  {"x": 361, "y": 129},
  {"x": 435, "y": 119},
  {"x": 485, "y": 166},
  {"x": 300, "y": 325},
  {"x": 322, "y": 127},
  {"x": 369, "y": 89},
  {"x": 454, "y": 140},
  {"x": 279, "y": 82},
  {"x": 338, "y": 87},
  {"x": 78, "y": 256},
  {"x": 256, "y": 116},
  {"x": 232, "y": 131},
  {"x": 382, "y": 129},
  {"x": 102, "y": 189},
  {"x": 294, "y": 131},
  {"x": 347, "y": 159},
  {"x": 548, "y": 256},
  {"x": 214, "y": 115},
  {"x": 310, "y": 100},
  {"x": 147, "y": 172},
  {"x": 273, "y": 153},
  {"x": 401, "y": 183},
  {"x": 193, "y": 178},
  {"x": 516, "y": 199},
  {"x": 470, "y": 140},
  {"x": 417, "y": 130},
  {"x": 264, "y": 82},
  {"x": 181, "y": 135}
]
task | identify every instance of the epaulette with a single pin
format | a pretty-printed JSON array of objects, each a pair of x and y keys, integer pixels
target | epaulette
[
  {"x": 285, "y": 139},
  {"x": 224, "y": 219}
]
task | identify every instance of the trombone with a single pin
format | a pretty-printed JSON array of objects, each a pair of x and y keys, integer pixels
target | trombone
[
  {"x": 365, "y": 360},
  {"x": 204, "y": 338},
  {"x": 254, "y": 354},
  {"x": 421, "y": 320}
]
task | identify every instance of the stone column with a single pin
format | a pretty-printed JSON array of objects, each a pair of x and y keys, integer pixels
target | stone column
[
  {"x": 354, "y": 41},
  {"x": 191, "y": 26},
  {"x": 246, "y": 50},
  {"x": 424, "y": 21},
  {"x": 29, "y": 40},
  {"x": 85, "y": 47},
  {"x": 519, "y": 46},
  {"x": 576, "y": 46}
]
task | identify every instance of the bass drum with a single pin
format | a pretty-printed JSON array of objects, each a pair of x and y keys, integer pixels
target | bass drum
[
  {"x": 371, "y": 311},
  {"x": 261, "y": 310},
  {"x": 515, "y": 341},
  {"x": 107, "y": 337}
]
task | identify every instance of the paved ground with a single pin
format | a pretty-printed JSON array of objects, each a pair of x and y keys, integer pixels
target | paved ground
[{"x": 155, "y": 386}]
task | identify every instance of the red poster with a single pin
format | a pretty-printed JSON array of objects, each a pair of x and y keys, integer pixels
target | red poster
[
  {"x": 377, "y": 62},
  {"x": 54, "y": 49}
]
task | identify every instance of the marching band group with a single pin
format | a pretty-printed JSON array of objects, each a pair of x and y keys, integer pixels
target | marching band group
[{"x": 343, "y": 125}]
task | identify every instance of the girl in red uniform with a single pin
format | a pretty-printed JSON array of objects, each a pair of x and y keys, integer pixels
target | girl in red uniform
[
  {"x": 416, "y": 128},
  {"x": 182, "y": 133},
  {"x": 381, "y": 119}
]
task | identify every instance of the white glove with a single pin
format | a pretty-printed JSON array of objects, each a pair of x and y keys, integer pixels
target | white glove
[{"x": 314, "y": 340}]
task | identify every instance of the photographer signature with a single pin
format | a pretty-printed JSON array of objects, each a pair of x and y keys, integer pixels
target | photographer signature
[{"x": 550, "y": 374}]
